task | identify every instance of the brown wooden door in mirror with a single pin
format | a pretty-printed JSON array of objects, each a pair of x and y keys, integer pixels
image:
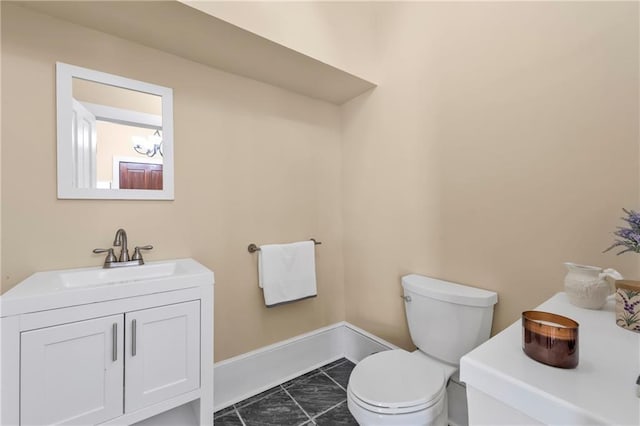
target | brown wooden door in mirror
[{"x": 140, "y": 176}]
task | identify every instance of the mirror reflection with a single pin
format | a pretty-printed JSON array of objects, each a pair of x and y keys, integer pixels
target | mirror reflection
[{"x": 117, "y": 137}]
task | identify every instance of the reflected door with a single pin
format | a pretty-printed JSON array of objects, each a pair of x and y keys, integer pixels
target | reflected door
[
  {"x": 140, "y": 176},
  {"x": 83, "y": 146}
]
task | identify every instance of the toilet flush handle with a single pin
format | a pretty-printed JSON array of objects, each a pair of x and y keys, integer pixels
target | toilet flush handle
[{"x": 406, "y": 298}]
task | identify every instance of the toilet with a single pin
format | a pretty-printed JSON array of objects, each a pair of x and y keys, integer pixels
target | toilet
[{"x": 397, "y": 387}]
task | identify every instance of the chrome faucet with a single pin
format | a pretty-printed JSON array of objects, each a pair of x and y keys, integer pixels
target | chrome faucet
[
  {"x": 121, "y": 240},
  {"x": 111, "y": 261}
]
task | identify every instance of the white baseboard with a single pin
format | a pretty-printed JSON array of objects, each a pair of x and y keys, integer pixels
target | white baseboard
[{"x": 245, "y": 375}]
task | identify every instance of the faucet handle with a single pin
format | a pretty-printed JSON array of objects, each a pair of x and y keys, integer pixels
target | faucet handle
[
  {"x": 136, "y": 252},
  {"x": 110, "y": 256}
]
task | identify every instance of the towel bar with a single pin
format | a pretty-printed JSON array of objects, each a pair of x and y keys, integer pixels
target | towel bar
[{"x": 254, "y": 248}]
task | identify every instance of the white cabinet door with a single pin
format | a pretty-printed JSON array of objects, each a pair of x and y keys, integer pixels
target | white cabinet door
[
  {"x": 71, "y": 374},
  {"x": 162, "y": 351}
]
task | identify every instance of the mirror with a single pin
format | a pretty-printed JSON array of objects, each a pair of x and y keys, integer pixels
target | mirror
[{"x": 115, "y": 136}]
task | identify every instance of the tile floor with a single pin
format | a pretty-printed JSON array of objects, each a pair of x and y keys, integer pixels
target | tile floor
[{"x": 316, "y": 398}]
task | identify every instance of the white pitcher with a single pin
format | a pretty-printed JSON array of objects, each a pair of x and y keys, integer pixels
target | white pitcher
[{"x": 588, "y": 286}]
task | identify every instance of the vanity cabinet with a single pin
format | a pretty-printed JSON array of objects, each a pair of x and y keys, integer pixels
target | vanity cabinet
[
  {"x": 162, "y": 354},
  {"x": 73, "y": 373},
  {"x": 118, "y": 353},
  {"x": 506, "y": 387}
]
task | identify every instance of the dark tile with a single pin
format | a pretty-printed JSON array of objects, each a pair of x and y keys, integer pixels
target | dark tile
[
  {"x": 257, "y": 397},
  {"x": 301, "y": 379},
  {"x": 277, "y": 409},
  {"x": 227, "y": 420},
  {"x": 337, "y": 416},
  {"x": 317, "y": 394},
  {"x": 341, "y": 373},
  {"x": 334, "y": 363},
  {"x": 224, "y": 411}
]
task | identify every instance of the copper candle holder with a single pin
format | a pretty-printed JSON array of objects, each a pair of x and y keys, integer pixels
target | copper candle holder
[{"x": 550, "y": 338}]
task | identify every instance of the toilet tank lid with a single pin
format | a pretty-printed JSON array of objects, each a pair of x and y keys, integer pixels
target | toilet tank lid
[{"x": 448, "y": 291}]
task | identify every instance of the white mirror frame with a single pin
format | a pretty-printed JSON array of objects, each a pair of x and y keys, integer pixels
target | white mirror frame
[{"x": 64, "y": 97}]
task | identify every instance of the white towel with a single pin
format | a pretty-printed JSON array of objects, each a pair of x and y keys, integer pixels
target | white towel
[{"x": 287, "y": 272}]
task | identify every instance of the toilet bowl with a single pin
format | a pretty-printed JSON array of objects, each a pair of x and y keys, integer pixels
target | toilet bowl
[
  {"x": 396, "y": 387},
  {"x": 399, "y": 388}
]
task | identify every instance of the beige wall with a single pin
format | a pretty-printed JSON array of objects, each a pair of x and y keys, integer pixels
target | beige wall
[
  {"x": 339, "y": 33},
  {"x": 253, "y": 163},
  {"x": 501, "y": 142}
]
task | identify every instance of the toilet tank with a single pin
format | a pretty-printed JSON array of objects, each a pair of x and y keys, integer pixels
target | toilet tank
[{"x": 447, "y": 320}]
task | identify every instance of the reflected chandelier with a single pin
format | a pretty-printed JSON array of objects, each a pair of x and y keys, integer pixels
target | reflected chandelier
[{"x": 149, "y": 146}]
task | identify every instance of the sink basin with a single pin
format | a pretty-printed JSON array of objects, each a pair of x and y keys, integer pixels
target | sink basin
[
  {"x": 62, "y": 288},
  {"x": 95, "y": 277}
]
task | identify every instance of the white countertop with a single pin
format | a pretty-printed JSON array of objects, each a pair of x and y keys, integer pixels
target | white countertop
[
  {"x": 601, "y": 390},
  {"x": 48, "y": 290}
]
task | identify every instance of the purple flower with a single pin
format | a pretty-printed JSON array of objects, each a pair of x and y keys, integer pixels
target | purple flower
[
  {"x": 633, "y": 218},
  {"x": 629, "y": 238},
  {"x": 628, "y": 234}
]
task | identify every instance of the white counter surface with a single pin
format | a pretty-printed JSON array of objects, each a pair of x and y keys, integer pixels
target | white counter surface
[
  {"x": 48, "y": 290},
  {"x": 601, "y": 390}
]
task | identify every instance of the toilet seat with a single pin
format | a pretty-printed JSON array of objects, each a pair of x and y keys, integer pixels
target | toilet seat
[{"x": 396, "y": 382}]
